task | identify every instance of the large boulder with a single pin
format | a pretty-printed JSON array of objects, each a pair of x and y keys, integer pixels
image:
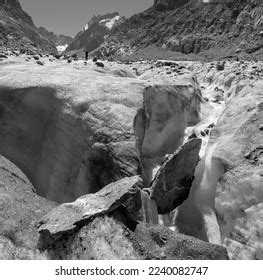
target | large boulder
[{"x": 173, "y": 182}]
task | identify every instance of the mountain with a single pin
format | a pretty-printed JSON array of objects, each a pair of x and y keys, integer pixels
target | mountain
[
  {"x": 61, "y": 41},
  {"x": 95, "y": 31},
  {"x": 190, "y": 29},
  {"x": 17, "y": 30}
]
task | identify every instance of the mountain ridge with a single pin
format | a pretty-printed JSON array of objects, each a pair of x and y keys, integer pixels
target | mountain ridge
[
  {"x": 95, "y": 31},
  {"x": 194, "y": 29},
  {"x": 18, "y": 31}
]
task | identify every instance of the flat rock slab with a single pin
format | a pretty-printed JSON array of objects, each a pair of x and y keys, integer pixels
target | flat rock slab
[
  {"x": 66, "y": 217},
  {"x": 173, "y": 181}
]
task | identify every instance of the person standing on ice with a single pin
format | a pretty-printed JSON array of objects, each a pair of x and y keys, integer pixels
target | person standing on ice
[{"x": 86, "y": 54}]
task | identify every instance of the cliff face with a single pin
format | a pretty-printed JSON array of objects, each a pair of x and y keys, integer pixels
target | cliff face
[
  {"x": 13, "y": 8},
  {"x": 17, "y": 30}
]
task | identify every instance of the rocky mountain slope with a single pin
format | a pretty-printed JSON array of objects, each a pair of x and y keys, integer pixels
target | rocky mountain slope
[
  {"x": 59, "y": 40},
  {"x": 95, "y": 32},
  {"x": 18, "y": 32},
  {"x": 190, "y": 30}
]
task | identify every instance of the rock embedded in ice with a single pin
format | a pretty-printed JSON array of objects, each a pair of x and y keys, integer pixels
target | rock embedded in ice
[{"x": 173, "y": 181}]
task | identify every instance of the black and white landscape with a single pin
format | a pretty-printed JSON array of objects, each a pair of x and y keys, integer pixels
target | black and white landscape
[{"x": 152, "y": 148}]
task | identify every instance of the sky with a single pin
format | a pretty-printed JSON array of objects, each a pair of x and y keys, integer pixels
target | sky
[{"x": 68, "y": 16}]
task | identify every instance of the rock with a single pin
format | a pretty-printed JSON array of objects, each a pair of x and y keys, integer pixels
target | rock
[
  {"x": 36, "y": 57},
  {"x": 3, "y": 56},
  {"x": 255, "y": 155},
  {"x": 57, "y": 56},
  {"x": 220, "y": 66},
  {"x": 172, "y": 183},
  {"x": 69, "y": 60},
  {"x": 166, "y": 63},
  {"x": 66, "y": 217},
  {"x": 169, "y": 245},
  {"x": 20, "y": 210},
  {"x": 261, "y": 127},
  {"x": 100, "y": 64},
  {"x": 193, "y": 136},
  {"x": 203, "y": 133},
  {"x": 40, "y": 63},
  {"x": 160, "y": 125},
  {"x": 95, "y": 59},
  {"x": 212, "y": 125}
]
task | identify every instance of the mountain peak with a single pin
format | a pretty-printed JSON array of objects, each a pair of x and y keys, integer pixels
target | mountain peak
[
  {"x": 97, "y": 18},
  {"x": 95, "y": 31}
]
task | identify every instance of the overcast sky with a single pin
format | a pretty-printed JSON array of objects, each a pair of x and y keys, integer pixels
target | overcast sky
[{"x": 68, "y": 16}]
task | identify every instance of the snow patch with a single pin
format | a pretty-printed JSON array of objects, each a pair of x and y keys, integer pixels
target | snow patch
[
  {"x": 110, "y": 22},
  {"x": 85, "y": 27},
  {"x": 61, "y": 48}
]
